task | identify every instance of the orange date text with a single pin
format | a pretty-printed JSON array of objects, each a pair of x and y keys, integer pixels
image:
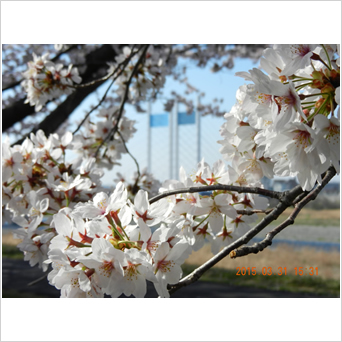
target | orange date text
[{"x": 267, "y": 271}]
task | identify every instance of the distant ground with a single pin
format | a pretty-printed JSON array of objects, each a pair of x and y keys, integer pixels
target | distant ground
[{"x": 17, "y": 274}]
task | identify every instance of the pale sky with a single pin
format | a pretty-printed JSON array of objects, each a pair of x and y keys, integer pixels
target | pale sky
[{"x": 215, "y": 85}]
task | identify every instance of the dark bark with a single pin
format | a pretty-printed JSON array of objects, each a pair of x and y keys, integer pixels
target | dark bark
[{"x": 51, "y": 123}]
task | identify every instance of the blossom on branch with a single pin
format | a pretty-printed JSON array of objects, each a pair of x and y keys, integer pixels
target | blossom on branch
[
  {"x": 45, "y": 81},
  {"x": 111, "y": 242}
]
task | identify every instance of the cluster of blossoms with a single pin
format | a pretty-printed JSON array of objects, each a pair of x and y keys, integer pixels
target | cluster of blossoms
[
  {"x": 287, "y": 123},
  {"x": 112, "y": 246},
  {"x": 45, "y": 81},
  {"x": 94, "y": 137},
  {"x": 37, "y": 183},
  {"x": 150, "y": 75},
  {"x": 105, "y": 244}
]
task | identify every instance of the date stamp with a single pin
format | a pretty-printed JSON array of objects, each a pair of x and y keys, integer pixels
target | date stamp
[{"x": 267, "y": 271}]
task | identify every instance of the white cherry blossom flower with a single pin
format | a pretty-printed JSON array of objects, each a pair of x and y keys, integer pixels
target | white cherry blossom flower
[
  {"x": 35, "y": 247},
  {"x": 150, "y": 214},
  {"x": 102, "y": 204},
  {"x": 69, "y": 277},
  {"x": 68, "y": 182},
  {"x": 136, "y": 272},
  {"x": 38, "y": 208},
  {"x": 167, "y": 266},
  {"x": 215, "y": 208},
  {"x": 296, "y": 56},
  {"x": 70, "y": 234},
  {"x": 11, "y": 162},
  {"x": 329, "y": 129},
  {"x": 222, "y": 238},
  {"x": 293, "y": 150},
  {"x": 108, "y": 263}
]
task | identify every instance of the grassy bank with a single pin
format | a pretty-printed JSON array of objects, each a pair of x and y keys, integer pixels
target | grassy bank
[
  {"x": 296, "y": 284},
  {"x": 327, "y": 263},
  {"x": 311, "y": 217},
  {"x": 10, "y": 251}
]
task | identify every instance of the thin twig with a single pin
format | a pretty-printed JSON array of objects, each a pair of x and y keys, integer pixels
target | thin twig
[
  {"x": 240, "y": 189},
  {"x": 105, "y": 78},
  {"x": 258, "y": 247},
  {"x": 136, "y": 163},
  {"x": 94, "y": 108},
  {"x": 37, "y": 280},
  {"x": 124, "y": 99},
  {"x": 254, "y": 211},
  {"x": 123, "y": 65}
]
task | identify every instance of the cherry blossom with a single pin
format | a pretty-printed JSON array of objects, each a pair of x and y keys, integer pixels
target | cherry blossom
[
  {"x": 108, "y": 263},
  {"x": 11, "y": 162},
  {"x": 44, "y": 81},
  {"x": 69, "y": 277},
  {"x": 111, "y": 241},
  {"x": 150, "y": 214},
  {"x": 167, "y": 266},
  {"x": 38, "y": 207}
]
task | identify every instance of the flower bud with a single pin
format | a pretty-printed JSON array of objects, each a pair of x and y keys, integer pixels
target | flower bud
[
  {"x": 317, "y": 84},
  {"x": 328, "y": 88},
  {"x": 114, "y": 242},
  {"x": 317, "y": 75},
  {"x": 319, "y": 102}
]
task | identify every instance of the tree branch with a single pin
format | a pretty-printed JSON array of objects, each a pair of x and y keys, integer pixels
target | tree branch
[
  {"x": 258, "y": 247},
  {"x": 56, "y": 118},
  {"x": 287, "y": 200},
  {"x": 135, "y": 161},
  {"x": 107, "y": 77},
  {"x": 135, "y": 187},
  {"x": 123, "y": 65},
  {"x": 254, "y": 211},
  {"x": 281, "y": 196},
  {"x": 124, "y": 99}
]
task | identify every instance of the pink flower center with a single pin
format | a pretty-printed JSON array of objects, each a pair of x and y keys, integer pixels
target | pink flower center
[
  {"x": 151, "y": 246},
  {"x": 333, "y": 130},
  {"x": 9, "y": 162},
  {"x": 191, "y": 199},
  {"x": 262, "y": 98},
  {"x": 143, "y": 216},
  {"x": 300, "y": 50},
  {"x": 225, "y": 234},
  {"x": 131, "y": 272},
  {"x": 302, "y": 139},
  {"x": 165, "y": 265},
  {"x": 106, "y": 268}
]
